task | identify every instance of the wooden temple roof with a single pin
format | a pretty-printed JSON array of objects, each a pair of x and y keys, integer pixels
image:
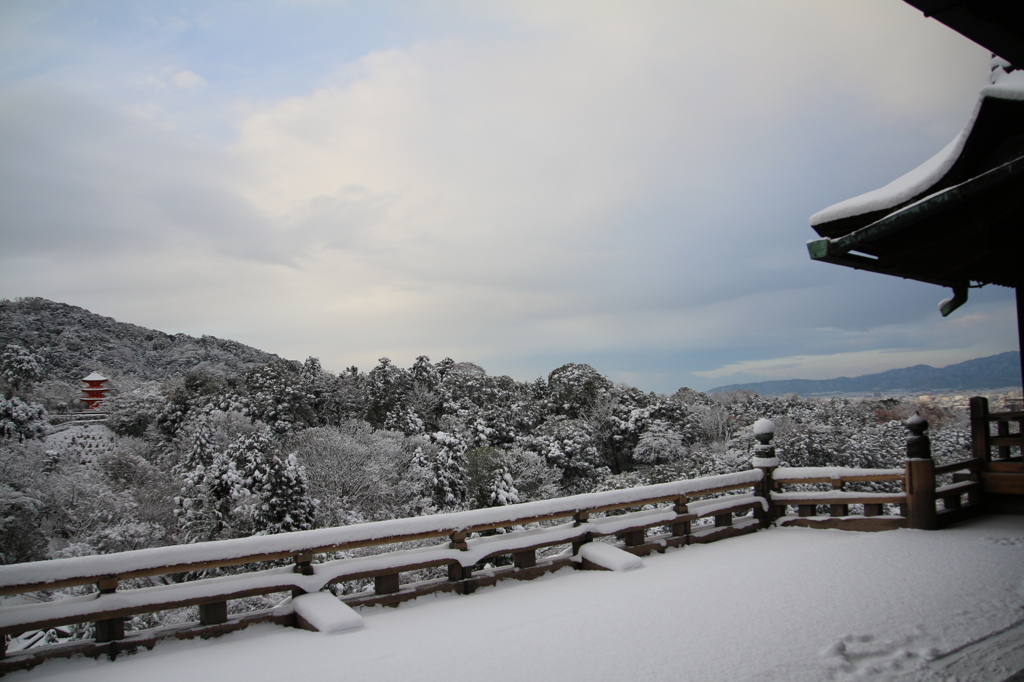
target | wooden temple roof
[{"x": 957, "y": 220}]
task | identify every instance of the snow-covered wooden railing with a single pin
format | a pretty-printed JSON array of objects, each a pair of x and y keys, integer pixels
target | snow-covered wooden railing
[
  {"x": 912, "y": 507},
  {"x": 1001, "y": 455},
  {"x": 837, "y": 499},
  {"x": 679, "y": 507}
]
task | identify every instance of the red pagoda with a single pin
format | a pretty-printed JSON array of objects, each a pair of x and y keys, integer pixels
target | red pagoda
[{"x": 95, "y": 390}]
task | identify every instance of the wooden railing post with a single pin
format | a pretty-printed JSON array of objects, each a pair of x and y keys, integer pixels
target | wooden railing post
[
  {"x": 979, "y": 428},
  {"x": 681, "y": 529},
  {"x": 303, "y": 566},
  {"x": 579, "y": 519},
  {"x": 764, "y": 459},
  {"x": 112, "y": 629},
  {"x": 213, "y": 613},
  {"x": 456, "y": 571},
  {"x": 388, "y": 583},
  {"x": 920, "y": 476},
  {"x": 525, "y": 559}
]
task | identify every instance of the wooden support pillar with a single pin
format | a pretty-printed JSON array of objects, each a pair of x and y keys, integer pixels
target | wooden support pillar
[
  {"x": 979, "y": 428},
  {"x": 112, "y": 629},
  {"x": 212, "y": 614},
  {"x": 920, "y": 477},
  {"x": 1020, "y": 330},
  {"x": 386, "y": 584}
]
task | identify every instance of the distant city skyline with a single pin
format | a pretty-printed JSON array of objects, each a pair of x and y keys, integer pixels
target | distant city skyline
[{"x": 517, "y": 184}]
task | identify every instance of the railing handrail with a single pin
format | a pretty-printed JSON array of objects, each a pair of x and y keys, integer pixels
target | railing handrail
[
  {"x": 827, "y": 474},
  {"x": 972, "y": 464},
  {"x": 32, "y": 576},
  {"x": 1005, "y": 416}
]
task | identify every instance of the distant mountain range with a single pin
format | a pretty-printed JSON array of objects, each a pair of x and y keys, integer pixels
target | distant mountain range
[
  {"x": 72, "y": 342},
  {"x": 995, "y": 371}
]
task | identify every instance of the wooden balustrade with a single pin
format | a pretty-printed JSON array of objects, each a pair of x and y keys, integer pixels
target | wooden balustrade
[
  {"x": 684, "y": 510},
  {"x": 1001, "y": 473},
  {"x": 916, "y": 502}
]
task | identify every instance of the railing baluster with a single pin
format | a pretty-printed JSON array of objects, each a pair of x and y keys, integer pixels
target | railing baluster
[
  {"x": 111, "y": 629},
  {"x": 214, "y": 613},
  {"x": 387, "y": 584},
  {"x": 681, "y": 529},
  {"x": 525, "y": 559},
  {"x": 579, "y": 518}
]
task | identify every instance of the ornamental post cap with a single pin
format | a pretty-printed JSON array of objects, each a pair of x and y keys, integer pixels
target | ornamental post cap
[
  {"x": 916, "y": 424},
  {"x": 764, "y": 430}
]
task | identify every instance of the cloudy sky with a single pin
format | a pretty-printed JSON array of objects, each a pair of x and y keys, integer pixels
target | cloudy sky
[{"x": 519, "y": 184}]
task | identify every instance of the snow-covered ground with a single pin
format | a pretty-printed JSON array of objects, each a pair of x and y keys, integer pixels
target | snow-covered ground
[{"x": 785, "y": 604}]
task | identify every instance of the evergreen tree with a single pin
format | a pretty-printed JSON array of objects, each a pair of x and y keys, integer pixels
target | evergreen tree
[
  {"x": 198, "y": 511},
  {"x": 270, "y": 495},
  {"x": 22, "y": 421},
  {"x": 502, "y": 490},
  {"x": 448, "y": 468},
  {"x": 19, "y": 368},
  {"x": 286, "y": 505}
]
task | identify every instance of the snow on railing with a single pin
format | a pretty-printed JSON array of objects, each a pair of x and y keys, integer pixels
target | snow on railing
[
  {"x": 913, "y": 506},
  {"x": 680, "y": 515}
]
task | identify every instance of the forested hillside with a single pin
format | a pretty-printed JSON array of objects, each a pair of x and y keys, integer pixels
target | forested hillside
[{"x": 71, "y": 342}]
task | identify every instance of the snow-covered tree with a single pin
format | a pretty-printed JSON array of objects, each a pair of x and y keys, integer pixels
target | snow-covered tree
[
  {"x": 19, "y": 368},
  {"x": 576, "y": 389},
  {"x": 269, "y": 494},
  {"x": 20, "y": 420},
  {"x": 387, "y": 390},
  {"x": 448, "y": 467},
  {"x": 278, "y": 394},
  {"x": 502, "y": 490},
  {"x": 131, "y": 413},
  {"x": 659, "y": 444}
]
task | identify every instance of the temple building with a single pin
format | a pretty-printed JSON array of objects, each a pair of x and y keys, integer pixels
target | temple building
[{"x": 95, "y": 390}]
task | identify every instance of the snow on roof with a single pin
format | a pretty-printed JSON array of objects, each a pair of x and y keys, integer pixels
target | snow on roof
[
  {"x": 96, "y": 376},
  {"x": 928, "y": 174},
  {"x": 903, "y": 188}
]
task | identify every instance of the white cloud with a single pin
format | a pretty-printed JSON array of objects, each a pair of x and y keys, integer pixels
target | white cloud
[
  {"x": 187, "y": 80},
  {"x": 593, "y": 178}
]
